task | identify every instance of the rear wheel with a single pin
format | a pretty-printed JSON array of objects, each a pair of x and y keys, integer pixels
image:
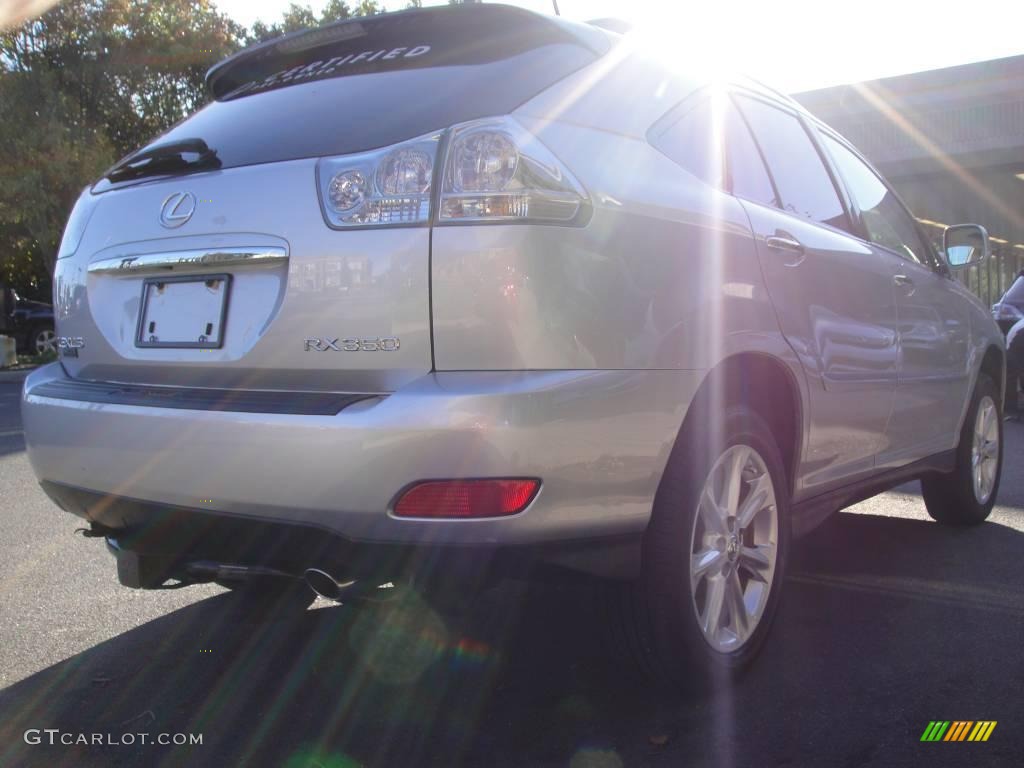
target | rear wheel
[
  {"x": 967, "y": 494},
  {"x": 714, "y": 554}
]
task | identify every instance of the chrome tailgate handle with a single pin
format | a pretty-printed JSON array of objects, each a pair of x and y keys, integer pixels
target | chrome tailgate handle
[{"x": 170, "y": 261}]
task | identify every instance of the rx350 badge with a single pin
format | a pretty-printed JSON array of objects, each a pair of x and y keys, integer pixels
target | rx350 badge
[
  {"x": 68, "y": 346},
  {"x": 375, "y": 344}
]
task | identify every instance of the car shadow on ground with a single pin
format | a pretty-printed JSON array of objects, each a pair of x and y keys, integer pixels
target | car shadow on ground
[
  {"x": 11, "y": 438},
  {"x": 11, "y": 441},
  {"x": 885, "y": 625}
]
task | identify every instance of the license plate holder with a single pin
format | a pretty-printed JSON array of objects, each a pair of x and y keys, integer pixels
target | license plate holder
[{"x": 183, "y": 311}]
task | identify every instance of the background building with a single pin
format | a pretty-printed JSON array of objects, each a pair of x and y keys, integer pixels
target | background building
[{"x": 951, "y": 141}]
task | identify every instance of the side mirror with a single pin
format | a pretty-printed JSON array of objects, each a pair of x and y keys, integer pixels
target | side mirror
[{"x": 965, "y": 245}]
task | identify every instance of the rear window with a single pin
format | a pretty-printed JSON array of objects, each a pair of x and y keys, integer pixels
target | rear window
[{"x": 380, "y": 81}]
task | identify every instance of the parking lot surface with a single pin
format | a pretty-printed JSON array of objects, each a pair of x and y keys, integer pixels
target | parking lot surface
[{"x": 889, "y": 621}]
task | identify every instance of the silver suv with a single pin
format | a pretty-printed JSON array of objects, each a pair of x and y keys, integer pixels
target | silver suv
[{"x": 452, "y": 294}]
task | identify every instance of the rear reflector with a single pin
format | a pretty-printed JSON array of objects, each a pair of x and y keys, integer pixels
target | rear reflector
[{"x": 466, "y": 498}]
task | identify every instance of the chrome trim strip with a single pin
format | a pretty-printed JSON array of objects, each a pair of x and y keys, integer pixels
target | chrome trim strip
[{"x": 169, "y": 261}]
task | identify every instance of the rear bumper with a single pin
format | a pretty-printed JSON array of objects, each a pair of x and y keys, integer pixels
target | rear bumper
[
  {"x": 156, "y": 542},
  {"x": 598, "y": 440}
]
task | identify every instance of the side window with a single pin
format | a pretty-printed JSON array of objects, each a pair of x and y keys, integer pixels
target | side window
[
  {"x": 691, "y": 143},
  {"x": 885, "y": 219},
  {"x": 800, "y": 176},
  {"x": 746, "y": 175},
  {"x": 695, "y": 142}
]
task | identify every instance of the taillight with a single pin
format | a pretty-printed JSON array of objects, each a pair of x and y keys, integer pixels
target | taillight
[
  {"x": 380, "y": 188},
  {"x": 495, "y": 170},
  {"x": 464, "y": 499}
]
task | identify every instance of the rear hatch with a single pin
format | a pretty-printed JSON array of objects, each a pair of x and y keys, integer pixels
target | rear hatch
[{"x": 208, "y": 258}]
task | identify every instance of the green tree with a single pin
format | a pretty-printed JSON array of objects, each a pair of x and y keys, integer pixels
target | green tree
[
  {"x": 81, "y": 85},
  {"x": 367, "y": 8},
  {"x": 302, "y": 17},
  {"x": 91, "y": 80},
  {"x": 335, "y": 10},
  {"x": 46, "y": 157}
]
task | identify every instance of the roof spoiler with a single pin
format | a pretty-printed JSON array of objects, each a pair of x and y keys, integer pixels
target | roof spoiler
[{"x": 460, "y": 34}]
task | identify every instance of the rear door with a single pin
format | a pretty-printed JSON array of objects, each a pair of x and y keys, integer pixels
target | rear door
[
  {"x": 933, "y": 311},
  {"x": 833, "y": 295},
  {"x": 232, "y": 273}
]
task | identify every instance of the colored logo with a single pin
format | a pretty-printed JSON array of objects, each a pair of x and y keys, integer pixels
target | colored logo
[{"x": 958, "y": 730}]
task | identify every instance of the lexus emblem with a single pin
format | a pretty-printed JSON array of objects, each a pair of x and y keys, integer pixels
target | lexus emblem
[{"x": 177, "y": 209}]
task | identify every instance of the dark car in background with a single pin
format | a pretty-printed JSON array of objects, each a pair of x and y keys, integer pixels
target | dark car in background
[
  {"x": 29, "y": 322},
  {"x": 1010, "y": 308}
]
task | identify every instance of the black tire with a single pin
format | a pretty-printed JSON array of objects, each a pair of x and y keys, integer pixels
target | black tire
[
  {"x": 950, "y": 498},
  {"x": 656, "y": 618}
]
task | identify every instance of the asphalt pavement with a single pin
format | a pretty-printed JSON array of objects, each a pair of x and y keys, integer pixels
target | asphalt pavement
[{"x": 889, "y": 621}]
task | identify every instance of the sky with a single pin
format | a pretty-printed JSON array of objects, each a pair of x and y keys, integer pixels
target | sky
[{"x": 793, "y": 45}]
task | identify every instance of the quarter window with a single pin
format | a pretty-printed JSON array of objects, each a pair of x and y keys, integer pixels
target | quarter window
[
  {"x": 696, "y": 142},
  {"x": 885, "y": 219},
  {"x": 804, "y": 186},
  {"x": 691, "y": 143}
]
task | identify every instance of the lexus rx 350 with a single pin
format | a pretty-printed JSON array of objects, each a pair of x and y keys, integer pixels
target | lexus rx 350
[{"x": 449, "y": 294}]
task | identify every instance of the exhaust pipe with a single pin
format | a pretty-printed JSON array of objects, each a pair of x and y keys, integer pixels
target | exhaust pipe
[
  {"x": 211, "y": 571},
  {"x": 326, "y": 586}
]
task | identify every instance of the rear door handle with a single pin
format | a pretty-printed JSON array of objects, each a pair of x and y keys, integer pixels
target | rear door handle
[
  {"x": 782, "y": 243},
  {"x": 904, "y": 282},
  {"x": 785, "y": 242}
]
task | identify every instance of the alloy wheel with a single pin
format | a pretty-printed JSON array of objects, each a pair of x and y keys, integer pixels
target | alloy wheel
[
  {"x": 985, "y": 450},
  {"x": 45, "y": 341},
  {"x": 733, "y": 548}
]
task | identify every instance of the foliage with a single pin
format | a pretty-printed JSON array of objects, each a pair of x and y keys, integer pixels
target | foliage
[
  {"x": 90, "y": 81},
  {"x": 301, "y": 17},
  {"x": 87, "y": 82},
  {"x": 42, "y": 170},
  {"x": 33, "y": 360}
]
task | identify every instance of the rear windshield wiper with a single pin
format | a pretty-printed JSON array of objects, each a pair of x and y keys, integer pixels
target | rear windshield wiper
[{"x": 164, "y": 159}]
